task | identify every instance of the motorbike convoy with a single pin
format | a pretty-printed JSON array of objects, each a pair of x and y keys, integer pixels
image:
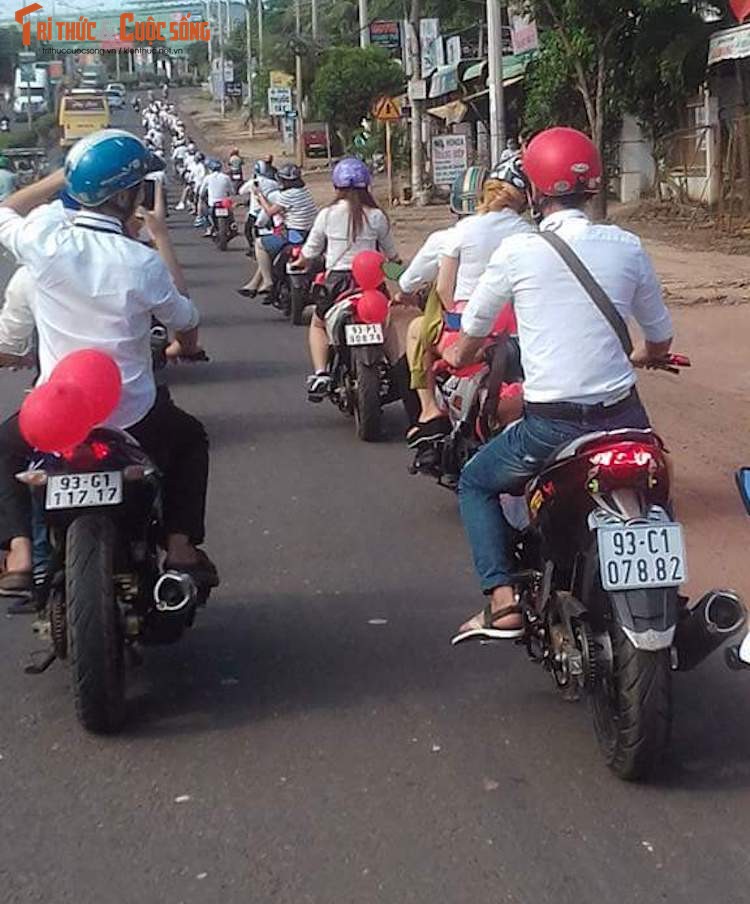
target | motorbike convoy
[{"x": 599, "y": 554}]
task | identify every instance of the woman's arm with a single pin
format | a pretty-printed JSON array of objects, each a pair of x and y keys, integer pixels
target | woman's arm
[
  {"x": 385, "y": 238},
  {"x": 446, "y": 281},
  {"x": 270, "y": 209}
]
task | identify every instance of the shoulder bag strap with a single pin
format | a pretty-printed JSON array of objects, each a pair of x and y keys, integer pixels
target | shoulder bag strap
[{"x": 595, "y": 292}]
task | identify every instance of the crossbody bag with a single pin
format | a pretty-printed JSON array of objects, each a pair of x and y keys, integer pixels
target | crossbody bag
[{"x": 595, "y": 292}]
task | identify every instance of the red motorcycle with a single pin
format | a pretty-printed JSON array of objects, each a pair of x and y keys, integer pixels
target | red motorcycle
[{"x": 225, "y": 225}]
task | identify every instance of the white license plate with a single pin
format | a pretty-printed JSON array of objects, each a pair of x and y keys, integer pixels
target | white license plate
[
  {"x": 68, "y": 491},
  {"x": 364, "y": 333},
  {"x": 221, "y": 212},
  {"x": 641, "y": 556}
]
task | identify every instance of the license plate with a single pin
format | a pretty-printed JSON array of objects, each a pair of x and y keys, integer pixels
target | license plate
[
  {"x": 641, "y": 556},
  {"x": 68, "y": 491},
  {"x": 364, "y": 333},
  {"x": 221, "y": 212}
]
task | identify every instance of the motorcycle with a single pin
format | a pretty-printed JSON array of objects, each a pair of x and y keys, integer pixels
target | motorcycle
[
  {"x": 225, "y": 225},
  {"x": 104, "y": 591},
  {"x": 290, "y": 286},
  {"x": 363, "y": 379},
  {"x": 738, "y": 657},
  {"x": 599, "y": 562},
  {"x": 471, "y": 397}
]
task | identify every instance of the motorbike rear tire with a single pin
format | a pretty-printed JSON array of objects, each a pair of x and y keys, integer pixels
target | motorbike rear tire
[
  {"x": 367, "y": 408},
  {"x": 97, "y": 654},
  {"x": 298, "y": 304},
  {"x": 222, "y": 234},
  {"x": 633, "y": 711}
]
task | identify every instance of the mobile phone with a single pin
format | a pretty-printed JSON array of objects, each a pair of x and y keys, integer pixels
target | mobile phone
[{"x": 149, "y": 194}]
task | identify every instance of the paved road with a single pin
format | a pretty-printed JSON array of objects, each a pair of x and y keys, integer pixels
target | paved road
[{"x": 315, "y": 739}]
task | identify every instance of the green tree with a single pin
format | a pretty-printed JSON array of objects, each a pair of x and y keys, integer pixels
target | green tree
[
  {"x": 349, "y": 80},
  {"x": 601, "y": 57}
]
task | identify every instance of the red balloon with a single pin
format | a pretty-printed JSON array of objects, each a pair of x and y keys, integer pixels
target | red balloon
[
  {"x": 97, "y": 375},
  {"x": 367, "y": 269},
  {"x": 372, "y": 307},
  {"x": 55, "y": 416}
]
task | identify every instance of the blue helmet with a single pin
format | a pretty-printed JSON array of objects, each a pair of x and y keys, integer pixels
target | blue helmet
[
  {"x": 215, "y": 165},
  {"x": 351, "y": 172},
  {"x": 105, "y": 163}
]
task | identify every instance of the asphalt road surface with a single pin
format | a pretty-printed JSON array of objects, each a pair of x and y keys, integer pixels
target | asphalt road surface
[{"x": 315, "y": 738}]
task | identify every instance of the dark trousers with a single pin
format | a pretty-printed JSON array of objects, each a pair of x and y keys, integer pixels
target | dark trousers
[{"x": 175, "y": 441}]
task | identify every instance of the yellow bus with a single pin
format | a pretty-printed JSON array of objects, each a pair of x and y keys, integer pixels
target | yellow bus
[{"x": 81, "y": 114}]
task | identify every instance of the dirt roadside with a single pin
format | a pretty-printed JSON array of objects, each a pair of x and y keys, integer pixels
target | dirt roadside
[{"x": 704, "y": 414}]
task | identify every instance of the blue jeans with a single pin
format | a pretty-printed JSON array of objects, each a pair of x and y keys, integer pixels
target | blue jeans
[{"x": 505, "y": 465}]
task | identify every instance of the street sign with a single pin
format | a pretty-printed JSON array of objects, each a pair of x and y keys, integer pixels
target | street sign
[
  {"x": 449, "y": 158},
  {"x": 279, "y": 101},
  {"x": 279, "y": 79},
  {"x": 386, "y": 34},
  {"x": 233, "y": 89},
  {"x": 431, "y": 45},
  {"x": 386, "y": 109}
]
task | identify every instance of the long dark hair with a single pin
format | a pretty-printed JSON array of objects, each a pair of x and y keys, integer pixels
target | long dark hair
[{"x": 359, "y": 200}]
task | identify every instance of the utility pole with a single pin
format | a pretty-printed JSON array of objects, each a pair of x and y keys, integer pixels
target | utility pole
[
  {"x": 249, "y": 66},
  {"x": 417, "y": 156},
  {"x": 298, "y": 60},
  {"x": 315, "y": 27},
  {"x": 260, "y": 34},
  {"x": 495, "y": 81},
  {"x": 364, "y": 24},
  {"x": 222, "y": 99},
  {"x": 211, "y": 41}
]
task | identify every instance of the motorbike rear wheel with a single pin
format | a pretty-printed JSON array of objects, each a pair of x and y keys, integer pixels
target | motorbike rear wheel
[
  {"x": 298, "y": 304},
  {"x": 94, "y": 627},
  {"x": 222, "y": 234},
  {"x": 367, "y": 408},
  {"x": 632, "y": 708}
]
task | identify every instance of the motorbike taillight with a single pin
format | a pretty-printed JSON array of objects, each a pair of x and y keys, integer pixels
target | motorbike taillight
[
  {"x": 88, "y": 454},
  {"x": 627, "y": 462}
]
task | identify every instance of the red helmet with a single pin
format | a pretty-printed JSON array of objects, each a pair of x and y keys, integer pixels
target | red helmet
[{"x": 563, "y": 161}]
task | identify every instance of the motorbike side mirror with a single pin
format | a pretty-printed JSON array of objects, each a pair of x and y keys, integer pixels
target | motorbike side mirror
[
  {"x": 743, "y": 485},
  {"x": 393, "y": 271}
]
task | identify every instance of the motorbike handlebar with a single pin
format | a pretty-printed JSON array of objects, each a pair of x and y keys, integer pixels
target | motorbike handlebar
[{"x": 670, "y": 363}]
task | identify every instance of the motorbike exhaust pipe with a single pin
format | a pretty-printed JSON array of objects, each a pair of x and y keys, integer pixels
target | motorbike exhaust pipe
[
  {"x": 719, "y": 615},
  {"x": 174, "y": 591}
]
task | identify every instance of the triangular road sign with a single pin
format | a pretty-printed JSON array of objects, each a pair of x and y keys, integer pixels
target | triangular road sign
[{"x": 385, "y": 109}]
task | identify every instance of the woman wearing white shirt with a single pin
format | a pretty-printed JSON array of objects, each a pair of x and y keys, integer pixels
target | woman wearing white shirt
[
  {"x": 472, "y": 243},
  {"x": 353, "y": 223}
]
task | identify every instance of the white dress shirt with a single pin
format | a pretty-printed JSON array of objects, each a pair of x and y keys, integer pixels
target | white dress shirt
[
  {"x": 569, "y": 351},
  {"x": 96, "y": 288},
  {"x": 473, "y": 242},
  {"x": 198, "y": 173},
  {"x": 266, "y": 186},
  {"x": 423, "y": 269},
  {"x": 331, "y": 232},
  {"x": 217, "y": 186},
  {"x": 16, "y": 316}
]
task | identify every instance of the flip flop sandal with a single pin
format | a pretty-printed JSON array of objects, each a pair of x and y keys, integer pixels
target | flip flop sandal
[
  {"x": 16, "y": 584},
  {"x": 429, "y": 432},
  {"x": 486, "y": 631},
  {"x": 204, "y": 572}
]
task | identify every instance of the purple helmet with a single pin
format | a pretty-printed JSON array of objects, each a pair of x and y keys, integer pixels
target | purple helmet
[{"x": 351, "y": 173}]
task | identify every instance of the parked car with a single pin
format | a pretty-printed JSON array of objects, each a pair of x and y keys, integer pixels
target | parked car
[{"x": 115, "y": 100}]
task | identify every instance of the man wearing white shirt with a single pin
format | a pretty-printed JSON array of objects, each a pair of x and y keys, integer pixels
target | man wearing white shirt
[
  {"x": 578, "y": 375},
  {"x": 96, "y": 288},
  {"x": 216, "y": 186}
]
